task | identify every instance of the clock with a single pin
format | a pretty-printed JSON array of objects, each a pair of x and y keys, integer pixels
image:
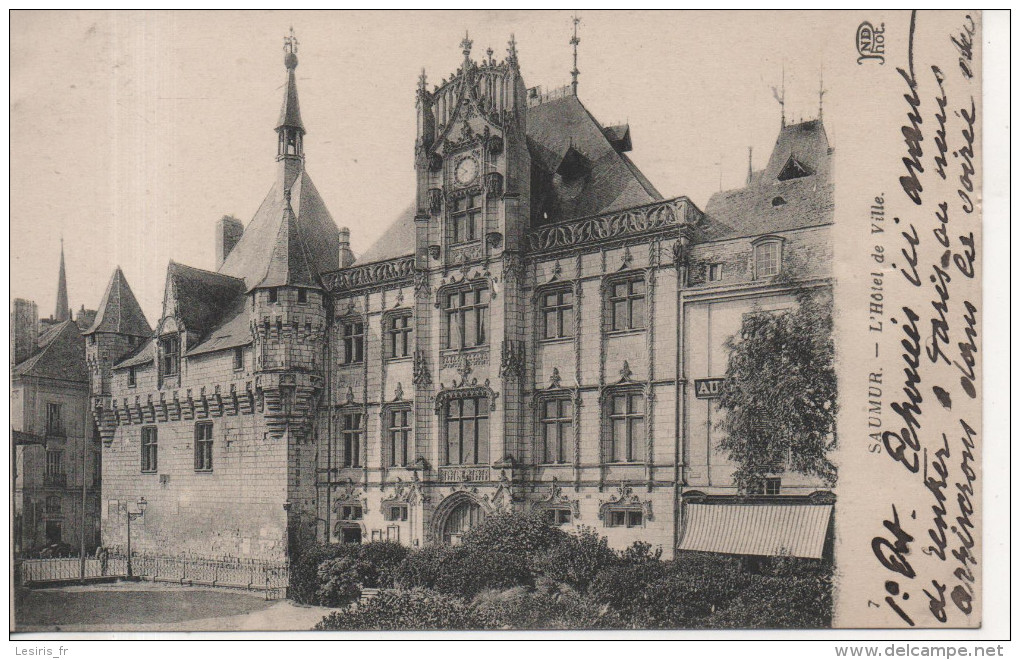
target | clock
[{"x": 467, "y": 170}]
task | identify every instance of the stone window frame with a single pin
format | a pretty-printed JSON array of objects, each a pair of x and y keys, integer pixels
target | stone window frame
[
  {"x": 559, "y": 288},
  {"x": 387, "y": 430},
  {"x": 715, "y": 272},
  {"x": 476, "y": 214},
  {"x": 389, "y": 330},
  {"x": 54, "y": 419},
  {"x": 149, "y": 449},
  {"x": 608, "y": 283},
  {"x": 170, "y": 360},
  {"x": 389, "y": 507},
  {"x": 566, "y": 443},
  {"x": 204, "y": 446},
  {"x": 355, "y": 352},
  {"x": 239, "y": 358},
  {"x": 482, "y": 317},
  {"x": 132, "y": 376},
  {"x": 484, "y": 403},
  {"x": 762, "y": 242},
  {"x": 553, "y": 514},
  {"x": 352, "y": 460},
  {"x": 614, "y": 513},
  {"x": 609, "y": 442}
]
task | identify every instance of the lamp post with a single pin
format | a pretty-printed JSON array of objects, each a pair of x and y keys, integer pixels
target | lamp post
[{"x": 131, "y": 515}]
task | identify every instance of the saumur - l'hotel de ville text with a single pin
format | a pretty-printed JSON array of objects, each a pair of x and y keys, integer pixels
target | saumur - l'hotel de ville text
[{"x": 540, "y": 330}]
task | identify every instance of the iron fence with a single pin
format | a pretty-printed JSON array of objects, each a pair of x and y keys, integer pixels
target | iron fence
[{"x": 269, "y": 577}]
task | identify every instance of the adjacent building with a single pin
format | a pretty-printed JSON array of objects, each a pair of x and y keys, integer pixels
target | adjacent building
[
  {"x": 541, "y": 329},
  {"x": 54, "y": 447}
]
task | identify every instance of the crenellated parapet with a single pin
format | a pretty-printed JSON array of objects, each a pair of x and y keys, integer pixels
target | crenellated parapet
[{"x": 385, "y": 273}]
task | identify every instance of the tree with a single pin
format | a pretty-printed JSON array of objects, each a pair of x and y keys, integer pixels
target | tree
[{"x": 780, "y": 398}]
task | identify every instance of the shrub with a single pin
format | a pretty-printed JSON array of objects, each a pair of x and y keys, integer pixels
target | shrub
[
  {"x": 304, "y": 570},
  {"x": 576, "y": 560},
  {"x": 801, "y": 600},
  {"x": 340, "y": 580},
  {"x": 416, "y": 609},
  {"x": 467, "y": 571},
  {"x": 385, "y": 557},
  {"x": 422, "y": 568},
  {"x": 640, "y": 552},
  {"x": 515, "y": 533}
]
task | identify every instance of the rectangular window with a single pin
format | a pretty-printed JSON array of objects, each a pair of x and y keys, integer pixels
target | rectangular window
[
  {"x": 396, "y": 513},
  {"x": 53, "y": 505},
  {"x": 351, "y": 512},
  {"x": 467, "y": 431},
  {"x": 557, "y": 426},
  {"x": 170, "y": 348},
  {"x": 54, "y": 421},
  {"x": 54, "y": 463},
  {"x": 273, "y": 295},
  {"x": 398, "y": 340},
  {"x": 466, "y": 316},
  {"x": 768, "y": 486},
  {"x": 766, "y": 259},
  {"x": 624, "y": 518},
  {"x": 627, "y": 304},
  {"x": 203, "y": 447},
  {"x": 302, "y": 296},
  {"x": 97, "y": 467},
  {"x": 239, "y": 358},
  {"x": 399, "y": 438},
  {"x": 558, "y": 314},
  {"x": 351, "y": 440},
  {"x": 627, "y": 428},
  {"x": 132, "y": 377},
  {"x": 465, "y": 218},
  {"x": 353, "y": 333},
  {"x": 150, "y": 449},
  {"x": 558, "y": 517},
  {"x": 715, "y": 272}
]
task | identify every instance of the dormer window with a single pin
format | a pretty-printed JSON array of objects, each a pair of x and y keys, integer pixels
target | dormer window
[
  {"x": 794, "y": 169},
  {"x": 170, "y": 352},
  {"x": 768, "y": 257}
]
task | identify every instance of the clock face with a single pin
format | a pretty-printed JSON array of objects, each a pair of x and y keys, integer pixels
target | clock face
[{"x": 467, "y": 170}]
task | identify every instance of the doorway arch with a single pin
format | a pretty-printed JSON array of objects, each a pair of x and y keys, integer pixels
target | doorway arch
[{"x": 455, "y": 516}]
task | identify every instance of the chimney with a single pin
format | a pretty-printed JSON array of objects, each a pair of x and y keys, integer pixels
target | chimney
[
  {"x": 346, "y": 256},
  {"x": 228, "y": 233},
  {"x": 24, "y": 329}
]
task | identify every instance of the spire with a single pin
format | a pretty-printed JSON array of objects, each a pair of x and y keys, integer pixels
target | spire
[
  {"x": 466, "y": 47},
  {"x": 511, "y": 50},
  {"x": 574, "y": 41},
  {"x": 290, "y": 128},
  {"x": 821, "y": 89},
  {"x": 63, "y": 310}
]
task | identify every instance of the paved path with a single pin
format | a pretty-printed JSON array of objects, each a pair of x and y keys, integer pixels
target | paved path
[{"x": 143, "y": 606}]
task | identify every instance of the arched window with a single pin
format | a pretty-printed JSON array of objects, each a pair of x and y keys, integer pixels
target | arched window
[{"x": 768, "y": 256}]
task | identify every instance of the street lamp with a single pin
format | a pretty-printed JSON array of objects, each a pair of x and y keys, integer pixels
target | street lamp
[{"x": 131, "y": 515}]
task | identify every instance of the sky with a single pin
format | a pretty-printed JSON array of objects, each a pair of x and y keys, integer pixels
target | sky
[{"x": 133, "y": 132}]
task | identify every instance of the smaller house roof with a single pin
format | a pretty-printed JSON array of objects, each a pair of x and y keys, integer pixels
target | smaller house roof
[
  {"x": 144, "y": 353},
  {"x": 61, "y": 355}
]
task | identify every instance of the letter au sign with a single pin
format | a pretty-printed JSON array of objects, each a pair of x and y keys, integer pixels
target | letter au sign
[{"x": 709, "y": 388}]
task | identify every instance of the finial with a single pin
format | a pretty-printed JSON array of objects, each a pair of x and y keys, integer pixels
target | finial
[
  {"x": 466, "y": 45},
  {"x": 488, "y": 54},
  {"x": 780, "y": 96},
  {"x": 511, "y": 49},
  {"x": 574, "y": 41},
  {"x": 821, "y": 89},
  {"x": 422, "y": 81},
  {"x": 749, "y": 165},
  {"x": 290, "y": 47}
]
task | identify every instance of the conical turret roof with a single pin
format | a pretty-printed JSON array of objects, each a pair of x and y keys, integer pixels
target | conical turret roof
[{"x": 119, "y": 311}]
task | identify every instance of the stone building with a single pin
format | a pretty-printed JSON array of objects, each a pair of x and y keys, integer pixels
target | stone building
[
  {"x": 55, "y": 449},
  {"x": 531, "y": 334}
]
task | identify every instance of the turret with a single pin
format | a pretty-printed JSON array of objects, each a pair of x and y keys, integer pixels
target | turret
[{"x": 290, "y": 130}]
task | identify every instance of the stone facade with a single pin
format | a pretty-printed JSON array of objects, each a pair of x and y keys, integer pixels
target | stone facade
[{"x": 526, "y": 338}]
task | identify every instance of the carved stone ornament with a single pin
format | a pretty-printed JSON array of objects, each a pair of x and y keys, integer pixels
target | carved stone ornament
[
  {"x": 494, "y": 240},
  {"x": 435, "y": 162},
  {"x": 512, "y": 363},
  {"x": 346, "y": 493},
  {"x": 494, "y": 183},
  {"x": 624, "y": 498},
  {"x": 421, "y": 375},
  {"x": 554, "y": 379},
  {"x": 435, "y": 251},
  {"x": 435, "y": 196},
  {"x": 494, "y": 145},
  {"x": 556, "y": 498}
]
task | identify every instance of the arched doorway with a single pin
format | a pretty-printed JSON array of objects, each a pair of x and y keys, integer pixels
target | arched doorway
[{"x": 461, "y": 518}]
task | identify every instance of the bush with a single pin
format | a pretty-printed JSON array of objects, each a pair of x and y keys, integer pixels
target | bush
[
  {"x": 469, "y": 570},
  {"x": 422, "y": 568},
  {"x": 385, "y": 557},
  {"x": 416, "y": 609},
  {"x": 340, "y": 581},
  {"x": 304, "y": 570},
  {"x": 576, "y": 560},
  {"x": 640, "y": 552},
  {"x": 514, "y": 533}
]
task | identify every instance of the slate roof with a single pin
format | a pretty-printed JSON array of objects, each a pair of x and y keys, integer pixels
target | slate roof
[
  {"x": 119, "y": 310},
  {"x": 768, "y": 204},
  {"x": 232, "y": 331},
  {"x": 200, "y": 297},
  {"x": 290, "y": 112},
  {"x": 61, "y": 355},
  {"x": 144, "y": 353},
  {"x": 288, "y": 261},
  {"x": 557, "y": 129},
  {"x": 252, "y": 257}
]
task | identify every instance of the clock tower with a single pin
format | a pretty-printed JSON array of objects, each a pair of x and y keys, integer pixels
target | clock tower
[{"x": 473, "y": 207}]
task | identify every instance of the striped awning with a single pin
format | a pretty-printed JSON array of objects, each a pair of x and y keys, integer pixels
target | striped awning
[{"x": 772, "y": 530}]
